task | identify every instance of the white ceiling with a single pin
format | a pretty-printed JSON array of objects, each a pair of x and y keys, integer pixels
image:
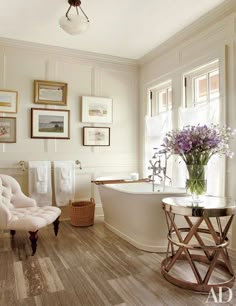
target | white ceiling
[{"x": 125, "y": 28}]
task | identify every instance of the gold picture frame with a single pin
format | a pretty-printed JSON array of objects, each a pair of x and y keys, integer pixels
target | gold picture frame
[
  {"x": 48, "y": 92},
  {"x": 8, "y": 101}
]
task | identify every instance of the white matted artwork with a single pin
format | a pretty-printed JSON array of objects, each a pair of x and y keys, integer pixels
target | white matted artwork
[
  {"x": 50, "y": 123},
  {"x": 96, "y": 109},
  {"x": 8, "y": 101},
  {"x": 96, "y": 136}
]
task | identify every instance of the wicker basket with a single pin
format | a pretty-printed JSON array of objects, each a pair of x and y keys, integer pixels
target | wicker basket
[{"x": 82, "y": 212}]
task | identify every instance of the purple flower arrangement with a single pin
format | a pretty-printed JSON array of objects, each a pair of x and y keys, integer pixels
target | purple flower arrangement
[{"x": 197, "y": 144}]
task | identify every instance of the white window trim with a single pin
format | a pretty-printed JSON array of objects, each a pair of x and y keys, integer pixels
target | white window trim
[
  {"x": 153, "y": 91},
  {"x": 189, "y": 77}
]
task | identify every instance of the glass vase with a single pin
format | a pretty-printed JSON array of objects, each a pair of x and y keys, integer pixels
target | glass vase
[{"x": 196, "y": 183}]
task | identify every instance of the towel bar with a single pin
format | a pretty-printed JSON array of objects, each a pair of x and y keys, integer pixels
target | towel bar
[{"x": 23, "y": 167}]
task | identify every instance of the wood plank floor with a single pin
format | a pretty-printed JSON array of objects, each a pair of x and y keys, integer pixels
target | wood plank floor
[{"x": 87, "y": 266}]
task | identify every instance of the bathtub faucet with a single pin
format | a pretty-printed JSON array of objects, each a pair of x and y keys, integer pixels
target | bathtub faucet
[{"x": 157, "y": 168}]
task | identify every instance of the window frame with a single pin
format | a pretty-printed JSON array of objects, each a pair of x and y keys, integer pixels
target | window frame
[
  {"x": 154, "y": 98},
  {"x": 191, "y": 76}
]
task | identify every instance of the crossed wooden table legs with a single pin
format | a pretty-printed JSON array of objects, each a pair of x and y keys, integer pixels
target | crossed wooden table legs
[{"x": 209, "y": 255}]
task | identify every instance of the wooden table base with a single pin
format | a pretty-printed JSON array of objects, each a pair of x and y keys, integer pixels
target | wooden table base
[{"x": 210, "y": 257}]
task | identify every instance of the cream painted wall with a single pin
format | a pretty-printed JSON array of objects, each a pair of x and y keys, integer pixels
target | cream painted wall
[
  {"x": 94, "y": 74},
  {"x": 86, "y": 74},
  {"x": 182, "y": 53}
]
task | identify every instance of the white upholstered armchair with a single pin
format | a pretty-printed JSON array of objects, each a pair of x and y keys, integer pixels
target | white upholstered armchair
[{"x": 19, "y": 212}]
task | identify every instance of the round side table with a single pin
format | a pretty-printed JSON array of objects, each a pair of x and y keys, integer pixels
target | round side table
[{"x": 204, "y": 240}]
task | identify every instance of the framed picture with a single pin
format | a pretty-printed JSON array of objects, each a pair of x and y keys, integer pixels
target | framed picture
[
  {"x": 7, "y": 129},
  {"x": 96, "y": 110},
  {"x": 8, "y": 101},
  {"x": 47, "y": 92},
  {"x": 50, "y": 123},
  {"x": 96, "y": 136}
]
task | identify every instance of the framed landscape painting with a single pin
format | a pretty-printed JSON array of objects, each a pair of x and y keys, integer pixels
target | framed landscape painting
[
  {"x": 50, "y": 123},
  {"x": 47, "y": 92},
  {"x": 96, "y": 110},
  {"x": 7, "y": 129},
  {"x": 8, "y": 101},
  {"x": 96, "y": 136}
]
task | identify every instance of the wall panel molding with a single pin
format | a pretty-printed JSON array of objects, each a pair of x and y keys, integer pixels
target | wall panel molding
[
  {"x": 85, "y": 74},
  {"x": 90, "y": 56}
]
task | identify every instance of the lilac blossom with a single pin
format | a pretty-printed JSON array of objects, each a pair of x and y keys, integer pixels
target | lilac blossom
[{"x": 196, "y": 144}]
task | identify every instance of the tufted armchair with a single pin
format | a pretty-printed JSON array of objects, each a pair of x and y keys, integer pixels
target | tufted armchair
[{"x": 19, "y": 212}]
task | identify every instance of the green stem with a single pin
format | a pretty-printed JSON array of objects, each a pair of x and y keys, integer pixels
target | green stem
[{"x": 196, "y": 182}]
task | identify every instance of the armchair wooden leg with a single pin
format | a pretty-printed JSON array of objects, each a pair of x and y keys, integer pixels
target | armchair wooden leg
[
  {"x": 33, "y": 238},
  {"x": 12, "y": 233},
  {"x": 56, "y": 226}
]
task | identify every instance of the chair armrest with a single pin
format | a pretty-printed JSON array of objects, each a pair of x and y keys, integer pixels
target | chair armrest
[
  {"x": 20, "y": 200},
  {"x": 5, "y": 216}
]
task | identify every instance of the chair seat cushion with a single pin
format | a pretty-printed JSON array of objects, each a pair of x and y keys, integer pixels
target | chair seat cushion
[{"x": 32, "y": 218}]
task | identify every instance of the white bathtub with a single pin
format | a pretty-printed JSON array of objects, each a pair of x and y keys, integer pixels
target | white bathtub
[{"x": 135, "y": 213}]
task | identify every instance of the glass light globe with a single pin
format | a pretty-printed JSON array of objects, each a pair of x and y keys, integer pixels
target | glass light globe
[{"x": 76, "y": 24}]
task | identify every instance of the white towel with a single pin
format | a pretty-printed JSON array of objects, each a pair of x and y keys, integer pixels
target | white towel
[
  {"x": 40, "y": 182},
  {"x": 66, "y": 178},
  {"x": 64, "y": 181},
  {"x": 42, "y": 187},
  {"x": 41, "y": 171},
  {"x": 42, "y": 178}
]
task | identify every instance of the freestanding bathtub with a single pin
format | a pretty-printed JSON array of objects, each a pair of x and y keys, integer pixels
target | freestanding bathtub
[{"x": 135, "y": 213}]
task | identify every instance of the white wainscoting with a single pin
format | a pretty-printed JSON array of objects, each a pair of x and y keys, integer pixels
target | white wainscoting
[{"x": 86, "y": 74}]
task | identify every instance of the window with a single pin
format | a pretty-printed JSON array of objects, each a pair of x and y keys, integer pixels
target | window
[
  {"x": 159, "y": 119},
  {"x": 203, "y": 106},
  {"x": 160, "y": 98},
  {"x": 202, "y": 85}
]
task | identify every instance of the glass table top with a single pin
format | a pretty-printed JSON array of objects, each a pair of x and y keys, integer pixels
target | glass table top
[{"x": 209, "y": 206}]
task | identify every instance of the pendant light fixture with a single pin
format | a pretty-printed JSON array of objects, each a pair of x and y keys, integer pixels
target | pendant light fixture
[{"x": 74, "y": 23}]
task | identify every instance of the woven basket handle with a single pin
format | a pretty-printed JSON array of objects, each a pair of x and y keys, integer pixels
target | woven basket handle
[{"x": 92, "y": 200}]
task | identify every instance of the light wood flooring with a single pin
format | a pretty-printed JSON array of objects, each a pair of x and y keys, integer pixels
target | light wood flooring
[{"x": 87, "y": 266}]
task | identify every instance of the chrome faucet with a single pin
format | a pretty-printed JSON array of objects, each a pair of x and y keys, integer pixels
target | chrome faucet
[{"x": 157, "y": 168}]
